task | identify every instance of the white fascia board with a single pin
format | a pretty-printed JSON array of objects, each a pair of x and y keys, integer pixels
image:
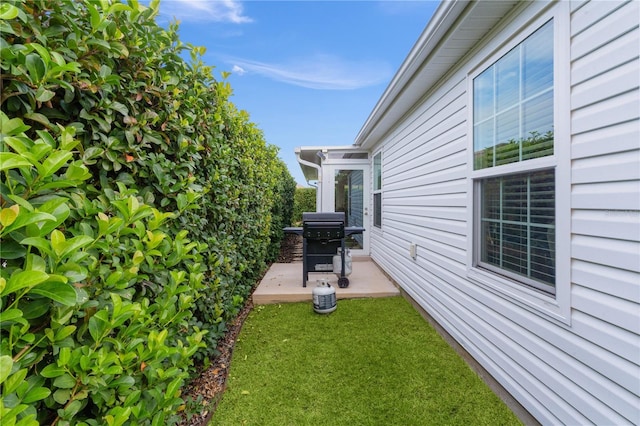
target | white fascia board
[{"x": 326, "y": 148}]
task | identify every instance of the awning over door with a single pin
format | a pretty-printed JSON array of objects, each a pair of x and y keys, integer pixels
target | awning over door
[{"x": 311, "y": 158}]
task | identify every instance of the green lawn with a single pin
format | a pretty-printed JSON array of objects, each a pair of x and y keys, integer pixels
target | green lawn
[{"x": 371, "y": 362}]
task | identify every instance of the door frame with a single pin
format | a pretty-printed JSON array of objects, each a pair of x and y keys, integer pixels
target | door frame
[{"x": 329, "y": 201}]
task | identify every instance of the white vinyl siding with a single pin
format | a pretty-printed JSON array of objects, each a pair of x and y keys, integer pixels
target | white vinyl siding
[
  {"x": 605, "y": 196},
  {"x": 580, "y": 365}
]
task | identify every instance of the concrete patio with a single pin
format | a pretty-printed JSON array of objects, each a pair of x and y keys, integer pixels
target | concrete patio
[{"x": 283, "y": 283}]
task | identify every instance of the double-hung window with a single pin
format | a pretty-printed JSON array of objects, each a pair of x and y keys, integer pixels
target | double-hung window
[
  {"x": 377, "y": 190},
  {"x": 514, "y": 179}
]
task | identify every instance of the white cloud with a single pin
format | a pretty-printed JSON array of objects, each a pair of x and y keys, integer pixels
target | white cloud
[
  {"x": 325, "y": 72},
  {"x": 238, "y": 70},
  {"x": 230, "y": 11}
]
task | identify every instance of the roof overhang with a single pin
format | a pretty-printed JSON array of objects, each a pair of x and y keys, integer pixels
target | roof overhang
[
  {"x": 311, "y": 158},
  {"x": 453, "y": 31}
]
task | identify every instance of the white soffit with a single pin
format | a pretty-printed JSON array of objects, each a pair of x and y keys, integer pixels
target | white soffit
[{"x": 310, "y": 154}]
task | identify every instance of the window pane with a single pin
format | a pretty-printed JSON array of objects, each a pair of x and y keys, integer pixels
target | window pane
[
  {"x": 377, "y": 186},
  {"x": 507, "y": 138},
  {"x": 542, "y": 254},
  {"x": 514, "y": 248},
  {"x": 508, "y": 80},
  {"x": 538, "y": 127},
  {"x": 542, "y": 201},
  {"x": 514, "y": 199},
  {"x": 508, "y": 126},
  {"x": 483, "y": 88},
  {"x": 491, "y": 242},
  {"x": 483, "y": 145},
  {"x": 517, "y": 225},
  {"x": 491, "y": 199},
  {"x": 513, "y": 104},
  {"x": 538, "y": 114},
  {"x": 538, "y": 61},
  {"x": 377, "y": 172}
]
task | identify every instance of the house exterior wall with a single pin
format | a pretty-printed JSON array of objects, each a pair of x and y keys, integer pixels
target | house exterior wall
[{"x": 579, "y": 363}]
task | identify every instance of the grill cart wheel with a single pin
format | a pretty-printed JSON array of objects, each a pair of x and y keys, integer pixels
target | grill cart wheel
[{"x": 343, "y": 282}]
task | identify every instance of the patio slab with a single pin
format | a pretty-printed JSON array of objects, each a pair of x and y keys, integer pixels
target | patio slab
[{"x": 283, "y": 283}]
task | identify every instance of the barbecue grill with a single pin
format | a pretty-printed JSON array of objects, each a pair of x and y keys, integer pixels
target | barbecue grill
[{"x": 322, "y": 235}]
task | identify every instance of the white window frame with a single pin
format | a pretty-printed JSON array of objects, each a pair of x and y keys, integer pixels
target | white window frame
[
  {"x": 376, "y": 191},
  {"x": 558, "y": 306}
]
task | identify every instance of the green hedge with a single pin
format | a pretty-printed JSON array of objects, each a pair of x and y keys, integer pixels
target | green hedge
[
  {"x": 138, "y": 208},
  {"x": 304, "y": 201}
]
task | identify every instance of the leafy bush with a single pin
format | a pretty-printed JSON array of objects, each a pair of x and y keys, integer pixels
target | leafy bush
[
  {"x": 91, "y": 326},
  {"x": 138, "y": 206},
  {"x": 281, "y": 212},
  {"x": 304, "y": 201}
]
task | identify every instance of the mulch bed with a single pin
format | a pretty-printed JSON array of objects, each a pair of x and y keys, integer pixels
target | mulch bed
[
  {"x": 207, "y": 389},
  {"x": 290, "y": 248}
]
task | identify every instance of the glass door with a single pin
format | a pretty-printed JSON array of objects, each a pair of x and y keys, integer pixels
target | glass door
[{"x": 350, "y": 196}]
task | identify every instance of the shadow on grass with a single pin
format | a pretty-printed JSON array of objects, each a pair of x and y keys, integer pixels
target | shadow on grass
[{"x": 371, "y": 362}]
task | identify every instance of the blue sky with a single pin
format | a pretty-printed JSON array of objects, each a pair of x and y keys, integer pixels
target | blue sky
[{"x": 307, "y": 72}]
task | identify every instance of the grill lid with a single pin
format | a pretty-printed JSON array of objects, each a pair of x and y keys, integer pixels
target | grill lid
[
  {"x": 323, "y": 217},
  {"x": 323, "y": 225}
]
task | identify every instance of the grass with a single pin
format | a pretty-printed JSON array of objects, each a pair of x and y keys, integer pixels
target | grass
[{"x": 370, "y": 362}]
